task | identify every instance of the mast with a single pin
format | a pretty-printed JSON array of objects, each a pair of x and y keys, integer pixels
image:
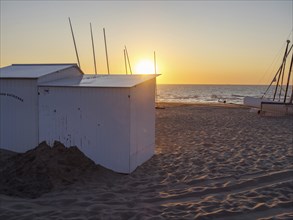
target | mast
[
  {"x": 281, "y": 68},
  {"x": 291, "y": 99},
  {"x": 155, "y": 62},
  {"x": 156, "y": 88},
  {"x": 74, "y": 42},
  {"x": 274, "y": 79},
  {"x": 106, "y": 51},
  {"x": 277, "y": 73},
  {"x": 283, "y": 73},
  {"x": 125, "y": 62},
  {"x": 288, "y": 81},
  {"x": 93, "y": 49},
  {"x": 128, "y": 60}
]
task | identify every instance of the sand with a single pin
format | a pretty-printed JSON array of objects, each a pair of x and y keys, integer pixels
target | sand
[
  {"x": 43, "y": 169},
  {"x": 211, "y": 162}
]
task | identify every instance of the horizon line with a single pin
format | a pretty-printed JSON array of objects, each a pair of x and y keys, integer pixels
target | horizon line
[{"x": 214, "y": 84}]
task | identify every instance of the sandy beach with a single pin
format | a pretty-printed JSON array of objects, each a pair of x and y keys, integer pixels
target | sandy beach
[{"x": 211, "y": 162}]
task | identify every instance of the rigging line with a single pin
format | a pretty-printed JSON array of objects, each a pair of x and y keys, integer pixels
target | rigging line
[
  {"x": 273, "y": 63},
  {"x": 276, "y": 58},
  {"x": 288, "y": 79},
  {"x": 283, "y": 73},
  {"x": 282, "y": 66},
  {"x": 277, "y": 73}
]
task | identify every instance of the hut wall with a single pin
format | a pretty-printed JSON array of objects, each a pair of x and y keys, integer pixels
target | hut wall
[
  {"x": 18, "y": 114},
  {"x": 142, "y": 127},
  {"x": 96, "y": 120}
]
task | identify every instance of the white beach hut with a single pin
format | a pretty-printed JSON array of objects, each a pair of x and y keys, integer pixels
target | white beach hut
[
  {"x": 19, "y": 118},
  {"x": 111, "y": 118}
]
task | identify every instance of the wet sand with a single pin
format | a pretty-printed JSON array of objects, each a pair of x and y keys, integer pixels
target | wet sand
[{"x": 211, "y": 162}]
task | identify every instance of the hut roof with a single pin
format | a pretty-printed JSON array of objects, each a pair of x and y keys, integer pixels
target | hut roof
[
  {"x": 91, "y": 80},
  {"x": 33, "y": 71}
]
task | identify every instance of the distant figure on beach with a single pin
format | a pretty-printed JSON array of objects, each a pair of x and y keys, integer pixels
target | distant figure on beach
[{"x": 222, "y": 100}]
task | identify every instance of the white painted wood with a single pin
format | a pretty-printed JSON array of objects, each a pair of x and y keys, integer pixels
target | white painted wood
[
  {"x": 115, "y": 127},
  {"x": 91, "y": 80},
  {"x": 19, "y": 111},
  {"x": 30, "y": 71},
  {"x": 18, "y": 114},
  {"x": 142, "y": 127},
  {"x": 97, "y": 120},
  {"x": 110, "y": 118}
]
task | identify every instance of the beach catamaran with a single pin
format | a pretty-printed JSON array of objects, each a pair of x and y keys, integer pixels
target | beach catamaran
[{"x": 278, "y": 97}]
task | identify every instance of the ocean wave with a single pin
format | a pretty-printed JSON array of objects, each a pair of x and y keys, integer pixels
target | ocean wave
[
  {"x": 240, "y": 96},
  {"x": 210, "y": 93},
  {"x": 214, "y": 96}
]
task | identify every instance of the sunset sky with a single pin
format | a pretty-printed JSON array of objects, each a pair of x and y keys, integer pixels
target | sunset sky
[{"x": 196, "y": 42}]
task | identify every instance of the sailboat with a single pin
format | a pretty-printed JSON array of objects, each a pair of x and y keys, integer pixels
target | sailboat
[{"x": 278, "y": 97}]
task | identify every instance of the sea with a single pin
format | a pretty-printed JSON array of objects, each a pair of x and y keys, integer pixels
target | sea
[{"x": 208, "y": 93}]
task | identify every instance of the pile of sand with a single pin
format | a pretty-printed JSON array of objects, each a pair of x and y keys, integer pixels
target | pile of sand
[{"x": 41, "y": 169}]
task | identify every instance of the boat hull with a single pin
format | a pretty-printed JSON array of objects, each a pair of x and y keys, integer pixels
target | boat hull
[
  {"x": 276, "y": 108},
  {"x": 254, "y": 102}
]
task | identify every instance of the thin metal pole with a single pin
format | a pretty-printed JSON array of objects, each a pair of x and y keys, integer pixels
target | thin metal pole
[
  {"x": 128, "y": 60},
  {"x": 156, "y": 88},
  {"x": 94, "y": 54},
  {"x": 282, "y": 79},
  {"x": 74, "y": 42},
  {"x": 278, "y": 72},
  {"x": 284, "y": 58},
  {"x": 155, "y": 62},
  {"x": 106, "y": 51},
  {"x": 274, "y": 79},
  {"x": 283, "y": 73},
  {"x": 125, "y": 62},
  {"x": 291, "y": 99},
  {"x": 288, "y": 79}
]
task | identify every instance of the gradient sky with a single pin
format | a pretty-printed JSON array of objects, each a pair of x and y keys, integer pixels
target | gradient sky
[{"x": 196, "y": 42}]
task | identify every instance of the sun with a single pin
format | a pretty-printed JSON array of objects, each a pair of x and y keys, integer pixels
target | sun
[{"x": 145, "y": 67}]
